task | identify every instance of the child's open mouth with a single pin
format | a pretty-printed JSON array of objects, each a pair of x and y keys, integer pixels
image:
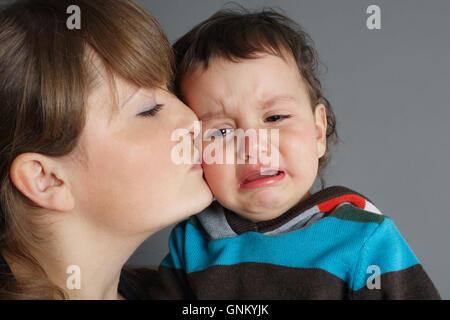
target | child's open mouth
[{"x": 256, "y": 179}]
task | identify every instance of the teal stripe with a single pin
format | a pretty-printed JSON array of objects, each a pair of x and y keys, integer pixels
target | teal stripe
[{"x": 386, "y": 249}]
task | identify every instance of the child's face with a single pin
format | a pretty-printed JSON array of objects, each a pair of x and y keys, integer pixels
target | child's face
[{"x": 262, "y": 93}]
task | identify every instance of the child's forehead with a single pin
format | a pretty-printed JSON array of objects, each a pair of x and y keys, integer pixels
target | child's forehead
[
  {"x": 218, "y": 62},
  {"x": 262, "y": 73},
  {"x": 225, "y": 86}
]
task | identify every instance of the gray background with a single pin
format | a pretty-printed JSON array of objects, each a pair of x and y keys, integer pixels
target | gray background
[{"x": 390, "y": 91}]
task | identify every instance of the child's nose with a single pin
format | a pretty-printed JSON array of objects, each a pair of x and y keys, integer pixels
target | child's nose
[
  {"x": 255, "y": 144},
  {"x": 248, "y": 147}
]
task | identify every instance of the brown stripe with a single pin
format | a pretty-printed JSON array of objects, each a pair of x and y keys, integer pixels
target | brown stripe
[
  {"x": 241, "y": 225},
  {"x": 254, "y": 281},
  {"x": 168, "y": 284},
  {"x": 408, "y": 284}
]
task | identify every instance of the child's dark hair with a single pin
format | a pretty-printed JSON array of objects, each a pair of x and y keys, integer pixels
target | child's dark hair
[{"x": 235, "y": 35}]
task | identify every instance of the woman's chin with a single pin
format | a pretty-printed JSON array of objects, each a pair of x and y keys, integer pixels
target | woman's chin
[
  {"x": 188, "y": 207},
  {"x": 203, "y": 200}
]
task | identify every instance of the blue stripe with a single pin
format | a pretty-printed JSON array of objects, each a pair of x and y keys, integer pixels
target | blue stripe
[
  {"x": 330, "y": 244},
  {"x": 386, "y": 249}
]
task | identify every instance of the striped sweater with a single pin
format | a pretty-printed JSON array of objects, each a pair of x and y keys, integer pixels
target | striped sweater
[{"x": 334, "y": 245}]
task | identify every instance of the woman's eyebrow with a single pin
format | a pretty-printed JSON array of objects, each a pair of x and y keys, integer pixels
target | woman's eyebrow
[
  {"x": 140, "y": 94},
  {"x": 122, "y": 106}
]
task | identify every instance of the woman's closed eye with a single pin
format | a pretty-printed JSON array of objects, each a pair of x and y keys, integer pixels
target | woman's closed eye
[
  {"x": 276, "y": 118},
  {"x": 151, "y": 112}
]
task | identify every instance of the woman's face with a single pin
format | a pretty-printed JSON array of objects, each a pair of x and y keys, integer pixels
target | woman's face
[{"x": 126, "y": 182}]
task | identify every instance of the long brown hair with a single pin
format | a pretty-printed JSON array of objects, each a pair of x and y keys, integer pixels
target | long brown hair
[
  {"x": 46, "y": 76},
  {"x": 235, "y": 34}
]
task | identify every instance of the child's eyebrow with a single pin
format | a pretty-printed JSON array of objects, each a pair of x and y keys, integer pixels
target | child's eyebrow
[
  {"x": 264, "y": 104},
  {"x": 267, "y": 103},
  {"x": 211, "y": 114}
]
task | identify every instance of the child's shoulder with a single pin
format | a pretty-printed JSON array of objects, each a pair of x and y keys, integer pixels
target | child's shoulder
[
  {"x": 351, "y": 212},
  {"x": 360, "y": 224},
  {"x": 367, "y": 230},
  {"x": 347, "y": 205}
]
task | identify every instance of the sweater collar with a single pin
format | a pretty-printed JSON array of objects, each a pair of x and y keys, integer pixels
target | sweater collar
[{"x": 323, "y": 201}]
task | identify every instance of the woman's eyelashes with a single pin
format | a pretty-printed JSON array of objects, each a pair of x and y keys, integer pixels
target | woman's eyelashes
[{"x": 151, "y": 112}]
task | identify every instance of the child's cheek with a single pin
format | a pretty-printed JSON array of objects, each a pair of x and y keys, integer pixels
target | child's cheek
[
  {"x": 300, "y": 145},
  {"x": 217, "y": 178}
]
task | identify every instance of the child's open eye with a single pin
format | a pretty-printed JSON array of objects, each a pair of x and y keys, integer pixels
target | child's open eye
[
  {"x": 219, "y": 132},
  {"x": 276, "y": 118}
]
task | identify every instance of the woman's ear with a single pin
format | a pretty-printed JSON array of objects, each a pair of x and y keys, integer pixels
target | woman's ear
[
  {"x": 41, "y": 180},
  {"x": 320, "y": 116}
]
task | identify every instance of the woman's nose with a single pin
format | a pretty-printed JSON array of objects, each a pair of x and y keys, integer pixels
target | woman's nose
[{"x": 188, "y": 118}]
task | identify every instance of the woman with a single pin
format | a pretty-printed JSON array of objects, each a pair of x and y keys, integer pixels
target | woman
[{"x": 85, "y": 148}]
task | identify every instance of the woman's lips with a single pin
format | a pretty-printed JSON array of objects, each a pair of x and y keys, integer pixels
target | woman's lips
[
  {"x": 196, "y": 166},
  {"x": 257, "y": 180}
]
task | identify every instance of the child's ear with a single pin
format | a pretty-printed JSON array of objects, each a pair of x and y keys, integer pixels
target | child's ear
[
  {"x": 320, "y": 116},
  {"x": 41, "y": 180}
]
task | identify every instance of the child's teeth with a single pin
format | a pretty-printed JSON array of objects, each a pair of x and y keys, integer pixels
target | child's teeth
[
  {"x": 262, "y": 175},
  {"x": 269, "y": 173}
]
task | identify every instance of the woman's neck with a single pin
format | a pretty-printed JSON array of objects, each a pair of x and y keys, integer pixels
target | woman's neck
[{"x": 82, "y": 260}]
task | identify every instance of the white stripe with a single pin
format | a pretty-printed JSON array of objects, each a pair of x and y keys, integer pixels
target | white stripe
[{"x": 370, "y": 207}]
